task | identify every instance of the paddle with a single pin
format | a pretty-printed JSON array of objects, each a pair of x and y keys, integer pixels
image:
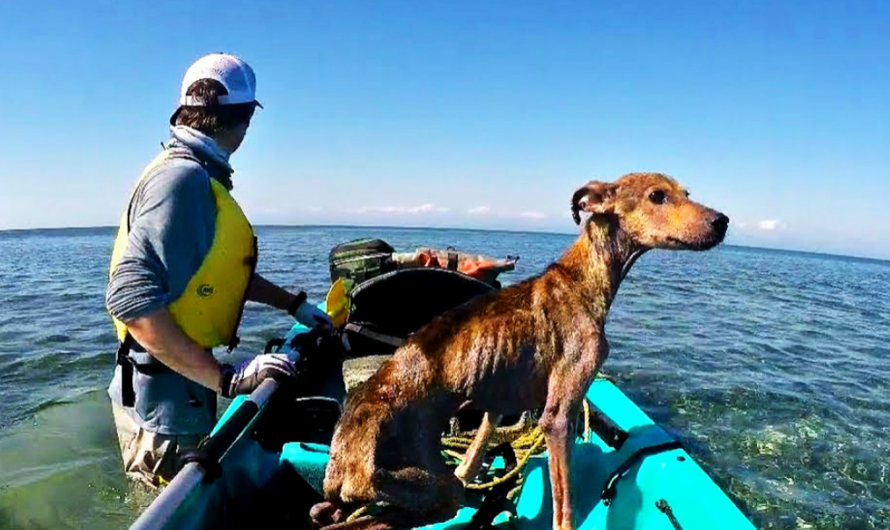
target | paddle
[{"x": 337, "y": 303}]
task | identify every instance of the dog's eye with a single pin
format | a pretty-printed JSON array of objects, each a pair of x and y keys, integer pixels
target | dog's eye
[{"x": 658, "y": 197}]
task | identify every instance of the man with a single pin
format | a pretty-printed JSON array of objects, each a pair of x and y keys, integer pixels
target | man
[{"x": 182, "y": 267}]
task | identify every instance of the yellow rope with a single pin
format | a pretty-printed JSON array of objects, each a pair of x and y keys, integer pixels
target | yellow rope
[
  {"x": 364, "y": 510},
  {"x": 358, "y": 513},
  {"x": 525, "y": 443},
  {"x": 539, "y": 441}
]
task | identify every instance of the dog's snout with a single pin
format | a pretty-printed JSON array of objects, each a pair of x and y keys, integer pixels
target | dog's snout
[{"x": 720, "y": 222}]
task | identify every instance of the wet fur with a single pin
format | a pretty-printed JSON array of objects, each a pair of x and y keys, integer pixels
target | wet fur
[{"x": 537, "y": 343}]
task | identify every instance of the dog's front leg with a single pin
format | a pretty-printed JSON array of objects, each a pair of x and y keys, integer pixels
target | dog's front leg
[
  {"x": 555, "y": 423},
  {"x": 565, "y": 395},
  {"x": 469, "y": 467}
]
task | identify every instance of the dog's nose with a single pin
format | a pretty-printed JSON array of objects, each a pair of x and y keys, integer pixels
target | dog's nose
[{"x": 721, "y": 222}]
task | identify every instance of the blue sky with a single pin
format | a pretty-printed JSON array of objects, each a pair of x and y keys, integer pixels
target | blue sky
[{"x": 474, "y": 114}]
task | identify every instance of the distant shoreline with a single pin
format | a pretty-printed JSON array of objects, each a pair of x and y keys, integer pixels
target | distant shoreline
[{"x": 72, "y": 229}]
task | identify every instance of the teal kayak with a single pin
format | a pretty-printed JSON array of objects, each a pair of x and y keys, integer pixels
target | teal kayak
[{"x": 630, "y": 474}]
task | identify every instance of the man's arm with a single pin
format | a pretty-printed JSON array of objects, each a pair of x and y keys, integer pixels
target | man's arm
[
  {"x": 265, "y": 292},
  {"x": 159, "y": 334}
]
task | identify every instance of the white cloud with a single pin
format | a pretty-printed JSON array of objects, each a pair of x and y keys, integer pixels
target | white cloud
[
  {"x": 532, "y": 214},
  {"x": 479, "y": 210},
  {"x": 427, "y": 208},
  {"x": 314, "y": 209},
  {"x": 768, "y": 224},
  {"x": 423, "y": 208}
]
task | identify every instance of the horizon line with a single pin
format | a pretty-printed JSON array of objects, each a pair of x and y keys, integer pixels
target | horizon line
[{"x": 465, "y": 229}]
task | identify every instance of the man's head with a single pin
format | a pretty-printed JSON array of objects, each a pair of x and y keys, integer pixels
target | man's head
[{"x": 218, "y": 98}]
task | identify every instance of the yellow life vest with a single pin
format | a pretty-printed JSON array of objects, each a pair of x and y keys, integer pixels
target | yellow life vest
[{"x": 209, "y": 310}]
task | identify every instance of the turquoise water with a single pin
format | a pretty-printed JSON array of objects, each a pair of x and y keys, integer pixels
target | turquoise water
[{"x": 770, "y": 366}]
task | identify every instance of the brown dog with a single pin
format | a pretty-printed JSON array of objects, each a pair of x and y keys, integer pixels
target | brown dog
[{"x": 539, "y": 342}]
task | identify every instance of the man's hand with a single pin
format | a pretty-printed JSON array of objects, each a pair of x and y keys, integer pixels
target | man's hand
[
  {"x": 245, "y": 378},
  {"x": 311, "y": 316}
]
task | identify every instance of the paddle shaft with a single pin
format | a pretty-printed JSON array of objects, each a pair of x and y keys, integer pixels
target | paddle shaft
[{"x": 156, "y": 516}]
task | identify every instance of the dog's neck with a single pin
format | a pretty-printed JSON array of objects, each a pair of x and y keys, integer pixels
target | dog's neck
[{"x": 600, "y": 259}]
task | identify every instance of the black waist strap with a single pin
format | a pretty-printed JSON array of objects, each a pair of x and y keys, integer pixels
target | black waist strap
[{"x": 128, "y": 364}]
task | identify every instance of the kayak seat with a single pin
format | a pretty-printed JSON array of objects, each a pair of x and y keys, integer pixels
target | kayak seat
[
  {"x": 307, "y": 459},
  {"x": 288, "y": 419},
  {"x": 388, "y": 308}
]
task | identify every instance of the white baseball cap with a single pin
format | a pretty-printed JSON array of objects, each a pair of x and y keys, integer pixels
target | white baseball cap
[{"x": 231, "y": 72}]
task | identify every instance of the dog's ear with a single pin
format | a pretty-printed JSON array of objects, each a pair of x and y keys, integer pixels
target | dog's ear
[{"x": 595, "y": 197}]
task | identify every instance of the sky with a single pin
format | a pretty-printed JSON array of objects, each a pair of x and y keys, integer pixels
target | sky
[{"x": 477, "y": 114}]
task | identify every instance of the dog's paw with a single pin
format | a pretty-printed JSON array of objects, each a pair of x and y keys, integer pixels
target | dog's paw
[{"x": 324, "y": 513}]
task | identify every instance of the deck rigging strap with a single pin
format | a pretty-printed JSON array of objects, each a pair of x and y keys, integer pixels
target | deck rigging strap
[
  {"x": 364, "y": 329},
  {"x": 609, "y": 491},
  {"x": 665, "y": 508}
]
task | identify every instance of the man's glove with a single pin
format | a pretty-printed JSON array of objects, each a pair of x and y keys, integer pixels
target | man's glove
[
  {"x": 245, "y": 378},
  {"x": 309, "y": 314}
]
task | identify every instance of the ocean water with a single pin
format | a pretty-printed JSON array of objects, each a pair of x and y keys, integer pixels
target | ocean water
[{"x": 771, "y": 367}]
